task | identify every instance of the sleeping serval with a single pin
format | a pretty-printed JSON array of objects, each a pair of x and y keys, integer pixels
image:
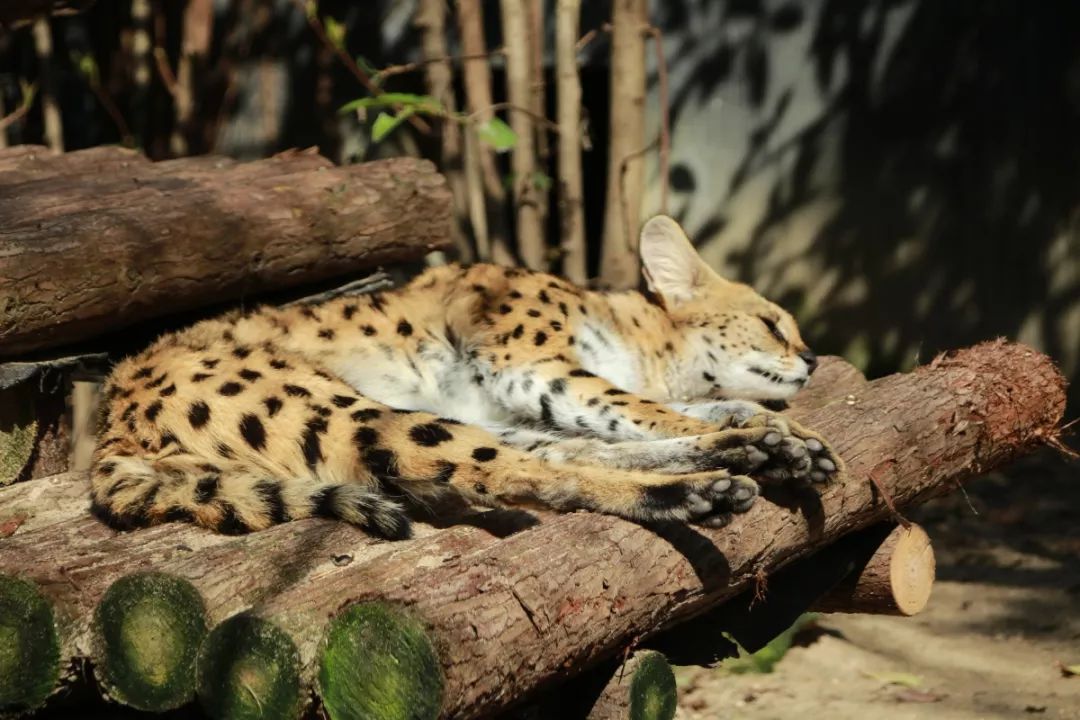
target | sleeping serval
[{"x": 507, "y": 387}]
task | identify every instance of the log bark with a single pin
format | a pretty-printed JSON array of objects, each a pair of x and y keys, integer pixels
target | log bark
[
  {"x": 896, "y": 580},
  {"x": 92, "y": 251},
  {"x": 626, "y": 166},
  {"x": 508, "y": 616}
]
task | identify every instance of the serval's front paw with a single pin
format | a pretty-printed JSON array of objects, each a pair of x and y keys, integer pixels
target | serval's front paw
[
  {"x": 799, "y": 454},
  {"x": 704, "y": 498},
  {"x": 773, "y": 447}
]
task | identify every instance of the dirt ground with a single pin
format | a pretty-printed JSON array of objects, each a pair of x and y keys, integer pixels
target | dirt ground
[{"x": 1004, "y": 614}]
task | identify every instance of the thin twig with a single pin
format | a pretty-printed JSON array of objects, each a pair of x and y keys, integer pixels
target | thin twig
[
  {"x": 168, "y": 78},
  {"x": 29, "y": 93},
  {"x": 540, "y": 119},
  {"x": 320, "y": 31},
  {"x": 592, "y": 35},
  {"x": 392, "y": 70}
]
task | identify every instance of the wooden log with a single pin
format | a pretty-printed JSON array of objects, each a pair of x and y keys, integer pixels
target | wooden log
[
  {"x": 249, "y": 668},
  {"x": 896, "y": 580},
  {"x": 507, "y": 616},
  {"x": 378, "y": 663},
  {"x": 29, "y": 648},
  {"x": 148, "y": 628},
  {"x": 95, "y": 251},
  {"x": 640, "y": 686}
]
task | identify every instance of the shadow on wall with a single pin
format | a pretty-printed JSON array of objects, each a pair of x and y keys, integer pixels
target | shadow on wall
[{"x": 931, "y": 201}]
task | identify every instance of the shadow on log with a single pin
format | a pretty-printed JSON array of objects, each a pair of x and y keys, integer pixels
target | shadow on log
[{"x": 509, "y": 616}]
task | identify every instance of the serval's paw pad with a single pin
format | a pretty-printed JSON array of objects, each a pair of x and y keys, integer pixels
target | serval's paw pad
[{"x": 704, "y": 498}]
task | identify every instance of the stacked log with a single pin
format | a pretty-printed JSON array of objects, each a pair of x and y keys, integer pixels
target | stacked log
[{"x": 460, "y": 622}]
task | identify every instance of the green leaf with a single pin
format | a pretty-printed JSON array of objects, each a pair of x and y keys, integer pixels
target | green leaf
[
  {"x": 385, "y": 124},
  {"x": 311, "y": 9},
  {"x": 896, "y": 678},
  {"x": 335, "y": 32},
  {"x": 497, "y": 134},
  {"x": 418, "y": 103},
  {"x": 541, "y": 181},
  {"x": 87, "y": 67}
]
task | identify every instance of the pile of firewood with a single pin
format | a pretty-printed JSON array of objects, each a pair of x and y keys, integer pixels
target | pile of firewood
[{"x": 467, "y": 619}]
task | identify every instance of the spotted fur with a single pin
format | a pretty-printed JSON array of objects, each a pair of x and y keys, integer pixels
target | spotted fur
[{"x": 503, "y": 386}]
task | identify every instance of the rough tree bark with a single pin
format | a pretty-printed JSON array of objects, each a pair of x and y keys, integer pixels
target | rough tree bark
[
  {"x": 568, "y": 110},
  {"x": 526, "y": 203},
  {"x": 143, "y": 239},
  {"x": 506, "y": 616},
  {"x": 626, "y": 167},
  {"x": 430, "y": 19},
  {"x": 487, "y": 198}
]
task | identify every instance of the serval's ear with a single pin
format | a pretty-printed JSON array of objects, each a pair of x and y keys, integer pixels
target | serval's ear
[{"x": 671, "y": 265}]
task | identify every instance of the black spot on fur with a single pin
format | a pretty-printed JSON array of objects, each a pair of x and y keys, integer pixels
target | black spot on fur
[
  {"x": 505, "y": 309},
  {"x": 593, "y": 402},
  {"x": 326, "y": 334},
  {"x": 613, "y": 425},
  {"x": 546, "y": 417},
  {"x": 366, "y": 414},
  {"x": 167, "y": 391},
  {"x": 106, "y": 469},
  {"x": 198, "y": 414},
  {"x": 380, "y": 462},
  {"x": 446, "y": 472},
  {"x": 224, "y": 451},
  {"x": 430, "y": 434},
  {"x": 403, "y": 411},
  {"x": 480, "y": 488},
  {"x": 518, "y": 331},
  {"x": 211, "y": 363},
  {"x": 270, "y": 493},
  {"x": 557, "y": 386},
  {"x": 541, "y": 337},
  {"x": 129, "y": 410},
  {"x": 484, "y": 454},
  {"x": 296, "y": 391},
  {"x": 152, "y": 410},
  {"x": 324, "y": 501},
  {"x": 230, "y": 523},
  {"x": 311, "y": 445},
  {"x": 278, "y": 364},
  {"x": 230, "y": 389},
  {"x": 377, "y": 302},
  {"x": 158, "y": 381},
  {"x": 178, "y": 514},
  {"x": 368, "y": 330},
  {"x": 206, "y": 488},
  {"x": 543, "y": 296},
  {"x": 659, "y": 497},
  {"x": 708, "y": 376},
  {"x": 514, "y": 294},
  {"x": 534, "y": 313},
  {"x": 404, "y": 328},
  {"x": 241, "y": 351},
  {"x": 564, "y": 310},
  {"x": 348, "y": 311},
  {"x": 143, "y": 373},
  {"x": 614, "y": 391},
  {"x": 167, "y": 438},
  {"x": 199, "y": 377},
  {"x": 343, "y": 401},
  {"x": 581, "y": 372},
  {"x": 253, "y": 432},
  {"x": 250, "y": 375},
  {"x": 322, "y": 410},
  {"x": 365, "y": 437},
  {"x": 272, "y": 404},
  {"x": 556, "y": 325}
]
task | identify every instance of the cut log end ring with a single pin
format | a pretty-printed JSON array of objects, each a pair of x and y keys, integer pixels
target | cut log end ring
[
  {"x": 149, "y": 627},
  {"x": 248, "y": 669},
  {"x": 29, "y": 647},
  {"x": 378, "y": 663}
]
